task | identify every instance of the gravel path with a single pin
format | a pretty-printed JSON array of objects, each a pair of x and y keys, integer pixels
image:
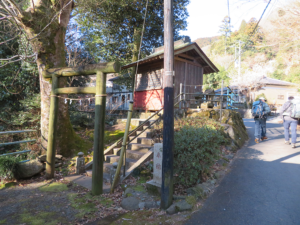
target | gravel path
[{"x": 30, "y": 205}]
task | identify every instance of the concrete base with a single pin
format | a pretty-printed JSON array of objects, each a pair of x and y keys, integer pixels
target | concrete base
[
  {"x": 86, "y": 182},
  {"x": 153, "y": 187}
]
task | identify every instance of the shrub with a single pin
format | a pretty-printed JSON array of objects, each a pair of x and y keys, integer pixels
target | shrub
[
  {"x": 259, "y": 96},
  {"x": 81, "y": 119},
  {"x": 9, "y": 166},
  {"x": 196, "y": 149}
]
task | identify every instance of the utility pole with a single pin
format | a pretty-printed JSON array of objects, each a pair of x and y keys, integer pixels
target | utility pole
[
  {"x": 240, "y": 60},
  {"x": 235, "y": 55},
  {"x": 221, "y": 101},
  {"x": 168, "y": 130}
]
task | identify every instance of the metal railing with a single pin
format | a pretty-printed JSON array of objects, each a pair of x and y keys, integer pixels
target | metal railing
[
  {"x": 16, "y": 142},
  {"x": 131, "y": 132}
]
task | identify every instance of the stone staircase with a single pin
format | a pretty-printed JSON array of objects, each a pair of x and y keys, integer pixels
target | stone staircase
[{"x": 137, "y": 152}]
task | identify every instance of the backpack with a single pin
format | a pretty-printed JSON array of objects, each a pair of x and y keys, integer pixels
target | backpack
[
  {"x": 260, "y": 109},
  {"x": 288, "y": 110},
  {"x": 295, "y": 112}
]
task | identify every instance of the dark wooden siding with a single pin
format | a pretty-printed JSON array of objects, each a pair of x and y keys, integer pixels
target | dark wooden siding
[
  {"x": 190, "y": 76},
  {"x": 149, "y": 77}
]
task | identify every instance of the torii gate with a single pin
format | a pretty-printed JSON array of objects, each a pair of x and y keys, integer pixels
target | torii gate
[{"x": 100, "y": 70}]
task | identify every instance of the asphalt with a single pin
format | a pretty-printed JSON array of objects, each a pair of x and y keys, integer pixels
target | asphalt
[{"x": 263, "y": 186}]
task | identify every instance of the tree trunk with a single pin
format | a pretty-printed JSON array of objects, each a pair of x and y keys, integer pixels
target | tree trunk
[
  {"x": 136, "y": 49},
  {"x": 50, "y": 46}
]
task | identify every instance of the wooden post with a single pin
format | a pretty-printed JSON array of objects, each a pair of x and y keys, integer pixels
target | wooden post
[
  {"x": 50, "y": 163},
  {"x": 168, "y": 130},
  {"x": 100, "y": 103},
  {"x": 123, "y": 150},
  {"x": 180, "y": 97},
  {"x": 221, "y": 101}
]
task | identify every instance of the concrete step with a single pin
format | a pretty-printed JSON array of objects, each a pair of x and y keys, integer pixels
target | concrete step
[
  {"x": 147, "y": 123},
  {"x": 134, "y": 140},
  {"x": 139, "y": 147},
  {"x": 147, "y": 115},
  {"x": 147, "y": 127},
  {"x": 144, "y": 134},
  {"x": 111, "y": 158},
  {"x": 134, "y": 154},
  {"x": 107, "y": 167},
  {"x": 134, "y": 122},
  {"x": 145, "y": 141},
  {"x": 130, "y": 163},
  {"x": 106, "y": 176},
  {"x": 117, "y": 151}
]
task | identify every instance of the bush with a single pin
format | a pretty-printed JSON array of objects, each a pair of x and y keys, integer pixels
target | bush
[
  {"x": 9, "y": 166},
  {"x": 259, "y": 96},
  {"x": 81, "y": 119},
  {"x": 197, "y": 147}
]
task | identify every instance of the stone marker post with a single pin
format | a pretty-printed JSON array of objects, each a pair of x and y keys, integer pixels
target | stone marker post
[
  {"x": 80, "y": 165},
  {"x": 157, "y": 165}
]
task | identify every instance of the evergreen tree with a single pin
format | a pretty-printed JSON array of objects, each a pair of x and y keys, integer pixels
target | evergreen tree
[
  {"x": 242, "y": 26},
  {"x": 114, "y": 30},
  {"x": 225, "y": 28}
]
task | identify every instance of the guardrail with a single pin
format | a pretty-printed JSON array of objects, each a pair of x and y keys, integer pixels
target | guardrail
[{"x": 17, "y": 142}]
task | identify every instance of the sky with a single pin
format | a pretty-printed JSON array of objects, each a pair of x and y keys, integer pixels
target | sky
[{"x": 205, "y": 16}]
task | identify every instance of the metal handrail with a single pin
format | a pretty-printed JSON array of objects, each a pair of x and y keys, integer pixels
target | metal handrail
[
  {"x": 17, "y": 142},
  {"x": 121, "y": 139},
  {"x": 17, "y": 131}
]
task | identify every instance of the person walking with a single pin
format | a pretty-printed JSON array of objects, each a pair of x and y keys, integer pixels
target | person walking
[
  {"x": 288, "y": 122},
  {"x": 260, "y": 111}
]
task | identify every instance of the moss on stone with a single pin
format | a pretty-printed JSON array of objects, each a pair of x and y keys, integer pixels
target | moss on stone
[
  {"x": 142, "y": 180},
  {"x": 230, "y": 117},
  {"x": 47, "y": 218},
  {"x": 8, "y": 185},
  {"x": 86, "y": 204},
  {"x": 54, "y": 187},
  {"x": 139, "y": 188},
  {"x": 191, "y": 200},
  {"x": 143, "y": 217},
  {"x": 3, "y": 221}
]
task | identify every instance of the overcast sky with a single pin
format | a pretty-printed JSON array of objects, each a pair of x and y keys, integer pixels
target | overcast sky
[{"x": 207, "y": 15}]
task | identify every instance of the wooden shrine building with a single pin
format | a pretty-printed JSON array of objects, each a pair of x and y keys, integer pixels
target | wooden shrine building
[{"x": 190, "y": 64}]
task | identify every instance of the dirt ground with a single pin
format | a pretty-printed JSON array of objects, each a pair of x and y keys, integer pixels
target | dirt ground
[{"x": 60, "y": 202}]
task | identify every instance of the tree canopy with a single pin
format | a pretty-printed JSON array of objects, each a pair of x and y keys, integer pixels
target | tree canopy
[{"x": 113, "y": 31}]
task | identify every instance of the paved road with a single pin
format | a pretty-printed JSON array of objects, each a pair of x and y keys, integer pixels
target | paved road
[{"x": 263, "y": 186}]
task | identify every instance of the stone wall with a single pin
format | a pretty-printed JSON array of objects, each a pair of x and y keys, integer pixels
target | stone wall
[
  {"x": 231, "y": 121},
  {"x": 245, "y": 113}
]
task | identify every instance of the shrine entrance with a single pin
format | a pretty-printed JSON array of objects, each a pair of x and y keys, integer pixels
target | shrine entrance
[{"x": 100, "y": 70}]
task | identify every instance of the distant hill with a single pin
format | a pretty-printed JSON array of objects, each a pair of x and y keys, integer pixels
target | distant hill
[{"x": 206, "y": 41}]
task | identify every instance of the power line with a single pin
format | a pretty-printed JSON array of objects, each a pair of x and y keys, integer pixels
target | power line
[
  {"x": 260, "y": 18},
  {"x": 253, "y": 32}
]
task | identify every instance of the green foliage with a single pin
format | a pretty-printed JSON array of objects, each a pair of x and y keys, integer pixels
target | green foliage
[
  {"x": 242, "y": 26},
  {"x": 214, "y": 80},
  {"x": 225, "y": 28},
  {"x": 113, "y": 30},
  {"x": 54, "y": 187},
  {"x": 197, "y": 146},
  {"x": 46, "y": 218},
  {"x": 294, "y": 75},
  {"x": 259, "y": 96},
  {"x": 86, "y": 204},
  {"x": 31, "y": 113},
  {"x": 9, "y": 166},
  {"x": 191, "y": 200},
  {"x": 81, "y": 119}
]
